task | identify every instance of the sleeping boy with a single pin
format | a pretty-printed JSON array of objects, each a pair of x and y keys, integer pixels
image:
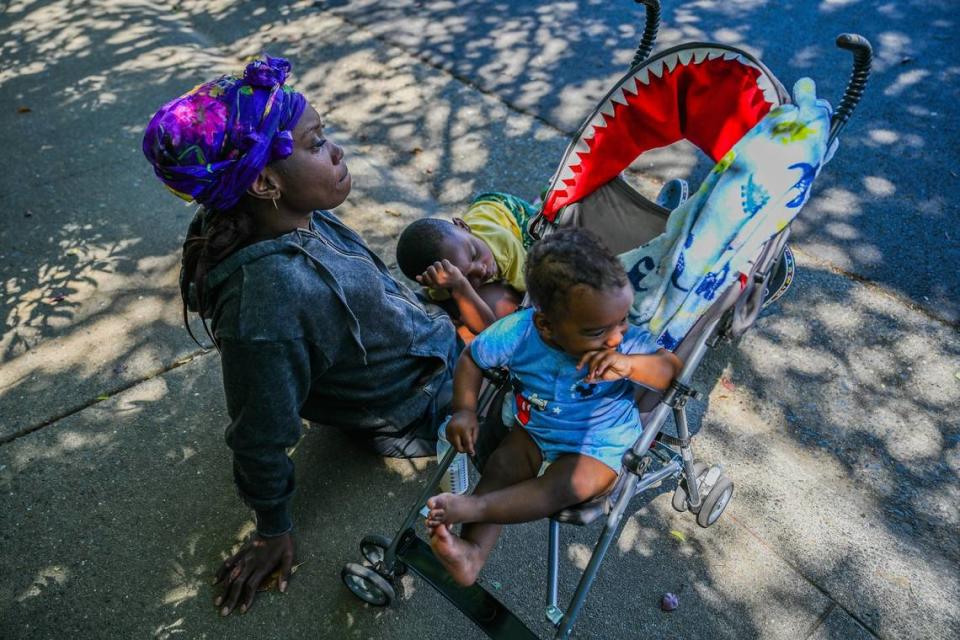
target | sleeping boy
[{"x": 459, "y": 261}]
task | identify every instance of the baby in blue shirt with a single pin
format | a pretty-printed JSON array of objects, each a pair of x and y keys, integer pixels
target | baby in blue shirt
[{"x": 574, "y": 364}]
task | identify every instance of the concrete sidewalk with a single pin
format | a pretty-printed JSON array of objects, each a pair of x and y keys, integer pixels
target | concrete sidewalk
[{"x": 835, "y": 417}]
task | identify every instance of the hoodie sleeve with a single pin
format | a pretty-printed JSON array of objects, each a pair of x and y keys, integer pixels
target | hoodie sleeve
[{"x": 266, "y": 383}]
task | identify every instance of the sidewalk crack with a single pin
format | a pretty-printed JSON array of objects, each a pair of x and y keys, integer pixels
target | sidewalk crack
[{"x": 179, "y": 362}]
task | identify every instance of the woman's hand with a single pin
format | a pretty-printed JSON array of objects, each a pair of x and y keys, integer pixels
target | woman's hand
[
  {"x": 462, "y": 431},
  {"x": 243, "y": 572},
  {"x": 606, "y": 365},
  {"x": 443, "y": 275}
]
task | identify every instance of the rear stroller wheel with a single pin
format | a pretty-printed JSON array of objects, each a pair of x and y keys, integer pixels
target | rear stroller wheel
[
  {"x": 680, "y": 495},
  {"x": 715, "y": 502},
  {"x": 367, "y": 584}
]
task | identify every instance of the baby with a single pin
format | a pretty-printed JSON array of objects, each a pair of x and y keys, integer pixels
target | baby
[
  {"x": 454, "y": 260},
  {"x": 574, "y": 364}
]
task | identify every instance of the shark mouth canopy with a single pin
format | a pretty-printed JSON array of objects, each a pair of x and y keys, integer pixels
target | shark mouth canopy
[{"x": 709, "y": 94}]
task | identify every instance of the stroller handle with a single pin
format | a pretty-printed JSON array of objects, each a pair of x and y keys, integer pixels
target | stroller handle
[
  {"x": 862, "y": 58},
  {"x": 650, "y": 28}
]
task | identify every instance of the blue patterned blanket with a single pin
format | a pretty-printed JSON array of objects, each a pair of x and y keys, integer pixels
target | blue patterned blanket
[{"x": 753, "y": 193}]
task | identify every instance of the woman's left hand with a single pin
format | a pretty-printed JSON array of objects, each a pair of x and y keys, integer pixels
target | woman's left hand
[{"x": 242, "y": 573}]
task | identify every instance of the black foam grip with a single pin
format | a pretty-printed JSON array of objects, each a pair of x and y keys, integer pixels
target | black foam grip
[
  {"x": 650, "y": 29},
  {"x": 862, "y": 58}
]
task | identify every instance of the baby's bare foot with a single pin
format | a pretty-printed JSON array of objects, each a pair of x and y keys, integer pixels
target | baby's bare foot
[
  {"x": 457, "y": 555},
  {"x": 450, "y": 508}
]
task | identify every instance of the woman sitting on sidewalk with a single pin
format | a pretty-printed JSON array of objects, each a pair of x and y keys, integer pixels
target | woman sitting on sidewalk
[{"x": 308, "y": 321}]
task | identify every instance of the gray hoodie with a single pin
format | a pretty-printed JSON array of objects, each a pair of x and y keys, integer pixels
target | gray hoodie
[{"x": 312, "y": 324}]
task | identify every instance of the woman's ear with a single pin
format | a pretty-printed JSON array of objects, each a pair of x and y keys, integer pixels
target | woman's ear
[{"x": 265, "y": 187}]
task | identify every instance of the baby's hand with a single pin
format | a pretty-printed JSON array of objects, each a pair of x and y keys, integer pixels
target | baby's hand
[
  {"x": 462, "y": 431},
  {"x": 442, "y": 275},
  {"x": 605, "y": 365}
]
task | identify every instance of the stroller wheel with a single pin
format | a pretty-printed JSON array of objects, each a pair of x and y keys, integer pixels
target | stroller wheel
[
  {"x": 715, "y": 502},
  {"x": 680, "y": 495},
  {"x": 781, "y": 278},
  {"x": 367, "y": 584},
  {"x": 373, "y": 548}
]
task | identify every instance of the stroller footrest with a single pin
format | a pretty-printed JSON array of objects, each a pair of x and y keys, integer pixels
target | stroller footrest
[{"x": 474, "y": 601}]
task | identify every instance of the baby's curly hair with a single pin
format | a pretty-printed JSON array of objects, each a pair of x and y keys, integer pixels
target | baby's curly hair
[{"x": 566, "y": 258}]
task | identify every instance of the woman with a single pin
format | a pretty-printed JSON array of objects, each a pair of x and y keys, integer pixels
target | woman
[{"x": 308, "y": 321}]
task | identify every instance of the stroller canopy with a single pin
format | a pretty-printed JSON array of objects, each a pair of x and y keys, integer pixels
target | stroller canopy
[{"x": 709, "y": 94}]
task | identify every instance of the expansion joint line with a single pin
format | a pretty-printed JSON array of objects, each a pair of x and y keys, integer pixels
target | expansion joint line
[{"x": 179, "y": 362}]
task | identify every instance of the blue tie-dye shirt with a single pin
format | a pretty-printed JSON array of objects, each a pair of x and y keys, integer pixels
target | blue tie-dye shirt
[{"x": 561, "y": 411}]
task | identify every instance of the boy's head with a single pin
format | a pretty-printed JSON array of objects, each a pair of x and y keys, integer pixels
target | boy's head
[
  {"x": 580, "y": 291},
  {"x": 431, "y": 240}
]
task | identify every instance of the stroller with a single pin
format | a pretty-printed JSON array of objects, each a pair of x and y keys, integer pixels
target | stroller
[{"x": 710, "y": 95}]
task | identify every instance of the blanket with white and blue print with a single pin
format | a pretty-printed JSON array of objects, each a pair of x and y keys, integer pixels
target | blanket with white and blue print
[{"x": 753, "y": 192}]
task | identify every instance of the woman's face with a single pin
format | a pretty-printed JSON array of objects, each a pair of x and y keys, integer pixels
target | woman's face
[{"x": 315, "y": 175}]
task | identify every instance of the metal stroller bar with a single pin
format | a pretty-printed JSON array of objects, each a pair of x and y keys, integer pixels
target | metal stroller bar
[{"x": 635, "y": 483}]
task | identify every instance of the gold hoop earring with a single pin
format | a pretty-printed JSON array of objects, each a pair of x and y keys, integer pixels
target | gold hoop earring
[{"x": 274, "y": 201}]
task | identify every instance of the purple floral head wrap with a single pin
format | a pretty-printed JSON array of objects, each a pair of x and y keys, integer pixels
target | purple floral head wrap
[{"x": 210, "y": 144}]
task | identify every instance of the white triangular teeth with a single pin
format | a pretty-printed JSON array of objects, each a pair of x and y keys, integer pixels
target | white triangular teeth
[
  {"x": 607, "y": 108},
  {"x": 642, "y": 76},
  {"x": 566, "y": 174},
  {"x": 617, "y": 96},
  {"x": 699, "y": 55},
  {"x": 581, "y": 147},
  {"x": 769, "y": 92},
  {"x": 656, "y": 68},
  {"x": 670, "y": 62},
  {"x": 714, "y": 54},
  {"x": 730, "y": 55},
  {"x": 629, "y": 86},
  {"x": 598, "y": 122},
  {"x": 685, "y": 56}
]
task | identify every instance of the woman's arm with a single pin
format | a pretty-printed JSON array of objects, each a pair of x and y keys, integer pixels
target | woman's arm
[{"x": 265, "y": 384}]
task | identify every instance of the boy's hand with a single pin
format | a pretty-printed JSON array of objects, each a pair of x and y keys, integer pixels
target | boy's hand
[
  {"x": 605, "y": 365},
  {"x": 462, "y": 431},
  {"x": 442, "y": 275}
]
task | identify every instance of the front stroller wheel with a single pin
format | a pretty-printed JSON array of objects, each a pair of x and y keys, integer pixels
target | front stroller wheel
[
  {"x": 374, "y": 548},
  {"x": 680, "y": 495},
  {"x": 368, "y": 585},
  {"x": 715, "y": 502}
]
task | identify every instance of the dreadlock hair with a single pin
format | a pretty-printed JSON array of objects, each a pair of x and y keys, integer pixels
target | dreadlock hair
[
  {"x": 566, "y": 258},
  {"x": 212, "y": 236},
  {"x": 421, "y": 244}
]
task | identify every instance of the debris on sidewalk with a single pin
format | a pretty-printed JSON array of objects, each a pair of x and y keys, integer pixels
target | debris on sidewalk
[{"x": 669, "y": 602}]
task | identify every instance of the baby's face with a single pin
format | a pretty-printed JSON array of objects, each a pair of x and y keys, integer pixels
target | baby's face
[
  {"x": 592, "y": 320},
  {"x": 472, "y": 256}
]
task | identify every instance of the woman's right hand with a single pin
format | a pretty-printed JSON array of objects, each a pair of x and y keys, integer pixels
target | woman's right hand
[
  {"x": 462, "y": 431},
  {"x": 243, "y": 572}
]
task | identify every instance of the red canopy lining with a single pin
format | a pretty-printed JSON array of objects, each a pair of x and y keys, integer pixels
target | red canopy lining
[{"x": 712, "y": 104}]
